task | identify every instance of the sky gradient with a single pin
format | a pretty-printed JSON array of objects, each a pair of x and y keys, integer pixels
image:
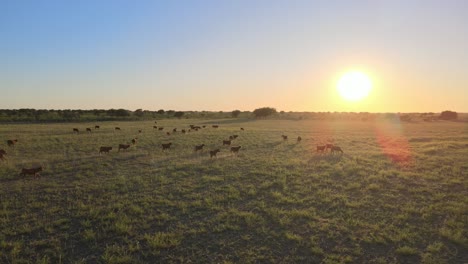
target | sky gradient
[{"x": 226, "y": 55}]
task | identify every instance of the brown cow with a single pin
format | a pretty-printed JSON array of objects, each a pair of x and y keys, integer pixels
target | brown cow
[
  {"x": 242, "y": 128},
  {"x": 214, "y": 152},
  {"x": 284, "y": 137},
  {"x": 76, "y": 130},
  {"x": 134, "y": 141},
  {"x": 33, "y": 171},
  {"x": 154, "y": 127},
  {"x": 203, "y": 126},
  {"x": 166, "y": 146},
  {"x": 183, "y": 131},
  {"x": 161, "y": 128},
  {"x": 174, "y": 130},
  {"x": 168, "y": 133},
  {"x": 199, "y": 147},
  {"x": 215, "y": 126},
  {"x": 336, "y": 149},
  {"x": 139, "y": 131},
  {"x": 2, "y": 151},
  {"x": 299, "y": 139},
  {"x": 235, "y": 149},
  {"x": 227, "y": 142},
  {"x": 123, "y": 146},
  {"x": 117, "y": 128},
  {"x": 97, "y": 127},
  {"x": 104, "y": 149},
  {"x": 321, "y": 148},
  {"x": 155, "y": 122},
  {"x": 88, "y": 129},
  {"x": 12, "y": 142}
]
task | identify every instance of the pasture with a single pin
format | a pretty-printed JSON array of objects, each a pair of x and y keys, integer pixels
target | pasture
[{"x": 398, "y": 193}]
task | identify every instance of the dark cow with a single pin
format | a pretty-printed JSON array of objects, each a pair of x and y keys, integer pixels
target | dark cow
[
  {"x": 161, "y": 128},
  {"x": 336, "y": 149},
  {"x": 139, "y": 131},
  {"x": 321, "y": 148},
  {"x": 204, "y": 126},
  {"x": 97, "y": 127},
  {"x": 123, "y": 146},
  {"x": 134, "y": 141},
  {"x": 199, "y": 147},
  {"x": 235, "y": 149},
  {"x": 227, "y": 142},
  {"x": 104, "y": 150},
  {"x": 299, "y": 139},
  {"x": 242, "y": 128},
  {"x": 168, "y": 133},
  {"x": 12, "y": 142},
  {"x": 215, "y": 126},
  {"x": 174, "y": 130},
  {"x": 76, "y": 130},
  {"x": 154, "y": 127},
  {"x": 214, "y": 152},
  {"x": 183, "y": 131},
  {"x": 2, "y": 151},
  {"x": 33, "y": 171},
  {"x": 117, "y": 128},
  {"x": 284, "y": 137},
  {"x": 88, "y": 129},
  {"x": 166, "y": 146}
]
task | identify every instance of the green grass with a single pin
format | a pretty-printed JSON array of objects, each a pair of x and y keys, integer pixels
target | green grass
[{"x": 398, "y": 194}]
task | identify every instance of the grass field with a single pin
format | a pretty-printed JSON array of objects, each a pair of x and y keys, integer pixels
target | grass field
[{"x": 398, "y": 194}]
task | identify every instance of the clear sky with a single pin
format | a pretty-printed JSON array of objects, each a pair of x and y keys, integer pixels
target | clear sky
[{"x": 226, "y": 55}]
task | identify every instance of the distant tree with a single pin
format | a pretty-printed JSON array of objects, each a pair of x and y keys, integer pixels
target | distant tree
[
  {"x": 448, "y": 115},
  {"x": 161, "y": 111},
  {"x": 235, "y": 113},
  {"x": 170, "y": 112},
  {"x": 138, "y": 112},
  {"x": 179, "y": 114},
  {"x": 264, "y": 112}
]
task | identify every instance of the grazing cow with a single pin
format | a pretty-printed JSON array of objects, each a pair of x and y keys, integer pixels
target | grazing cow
[
  {"x": 191, "y": 126},
  {"x": 183, "y": 131},
  {"x": 231, "y": 137},
  {"x": 329, "y": 146},
  {"x": 104, "y": 150},
  {"x": 199, "y": 147},
  {"x": 134, "y": 141},
  {"x": 97, "y": 127},
  {"x": 161, "y": 128},
  {"x": 2, "y": 156},
  {"x": 299, "y": 139},
  {"x": 227, "y": 142},
  {"x": 12, "y": 142},
  {"x": 123, "y": 146},
  {"x": 174, "y": 130},
  {"x": 235, "y": 149},
  {"x": 2, "y": 151},
  {"x": 33, "y": 171},
  {"x": 336, "y": 149},
  {"x": 215, "y": 126},
  {"x": 154, "y": 127},
  {"x": 139, "y": 131},
  {"x": 284, "y": 137},
  {"x": 88, "y": 129},
  {"x": 117, "y": 128},
  {"x": 214, "y": 152},
  {"x": 168, "y": 133},
  {"x": 76, "y": 130},
  {"x": 321, "y": 148},
  {"x": 242, "y": 128},
  {"x": 204, "y": 126},
  {"x": 235, "y": 136},
  {"x": 166, "y": 146}
]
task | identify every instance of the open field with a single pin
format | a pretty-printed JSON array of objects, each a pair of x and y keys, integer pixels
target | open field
[{"x": 398, "y": 194}]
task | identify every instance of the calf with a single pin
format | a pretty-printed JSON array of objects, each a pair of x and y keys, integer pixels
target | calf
[
  {"x": 235, "y": 149},
  {"x": 183, "y": 131},
  {"x": 134, "y": 141},
  {"x": 299, "y": 139},
  {"x": 104, "y": 150},
  {"x": 123, "y": 146},
  {"x": 33, "y": 171},
  {"x": 117, "y": 128},
  {"x": 161, "y": 128},
  {"x": 214, "y": 152},
  {"x": 168, "y": 133},
  {"x": 227, "y": 142},
  {"x": 97, "y": 127},
  {"x": 336, "y": 149},
  {"x": 154, "y": 127},
  {"x": 242, "y": 128},
  {"x": 321, "y": 148},
  {"x": 88, "y": 129},
  {"x": 215, "y": 126},
  {"x": 174, "y": 130},
  {"x": 199, "y": 147},
  {"x": 166, "y": 146},
  {"x": 203, "y": 126},
  {"x": 76, "y": 130},
  {"x": 12, "y": 142},
  {"x": 284, "y": 137},
  {"x": 139, "y": 131}
]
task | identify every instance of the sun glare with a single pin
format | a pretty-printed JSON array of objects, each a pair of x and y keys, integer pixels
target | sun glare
[{"x": 354, "y": 86}]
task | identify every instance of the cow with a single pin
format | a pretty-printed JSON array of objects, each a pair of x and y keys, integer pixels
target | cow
[
  {"x": 183, "y": 131},
  {"x": 329, "y": 146},
  {"x": 227, "y": 142},
  {"x": 168, "y": 133},
  {"x": 154, "y": 127},
  {"x": 12, "y": 142},
  {"x": 203, "y": 126},
  {"x": 235, "y": 149},
  {"x": 117, "y": 128},
  {"x": 321, "y": 148},
  {"x": 97, "y": 127},
  {"x": 174, "y": 130},
  {"x": 104, "y": 150},
  {"x": 284, "y": 137},
  {"x": 76, "y": 130},
  {"x": 166, "y": 146},
  {"x": 199, "y": 147},
  {"x": 2, "y": 156},
  {"x": 214, "y": 152},
  {"x": 139, "y": 131},
  {"x": 242, "y": 128},
  {"x": 88, "y": 129},
  {"x": 336, "y": 149},
  {"x": 134, "y": 141},
  {"x": 215, "y": 126},
  {"x": 235, "y": 136},
  {"x": 155, "y": 122},
  {"x": 2, "y": 151},
  {"x": 299, "y": 139},
  {"x": 123, "y": 146},
  {"x": 161, "y": 128},
  {"x": 33, "y": 171}
]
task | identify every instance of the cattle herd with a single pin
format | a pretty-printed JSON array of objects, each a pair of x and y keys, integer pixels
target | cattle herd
[{"x": 165, "y": 146}]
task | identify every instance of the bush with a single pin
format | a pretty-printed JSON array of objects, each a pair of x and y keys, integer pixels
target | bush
[
  {"x": 264, "y": 112},
  {"x": 235, "y": 113},
  {"x": 448, "y": 115}
]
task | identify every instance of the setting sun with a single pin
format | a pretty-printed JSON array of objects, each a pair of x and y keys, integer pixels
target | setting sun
[{"x": 354, "y": 86}]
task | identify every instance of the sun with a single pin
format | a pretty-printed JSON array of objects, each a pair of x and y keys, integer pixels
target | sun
[{"x": 354, "y": 86}]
